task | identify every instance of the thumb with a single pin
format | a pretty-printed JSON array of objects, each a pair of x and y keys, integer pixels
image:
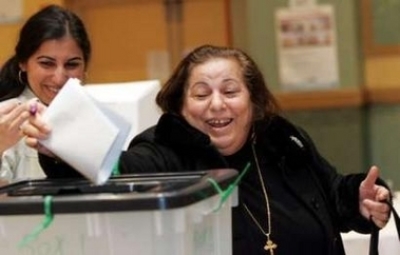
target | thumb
[{"x": 370, "y": 179}]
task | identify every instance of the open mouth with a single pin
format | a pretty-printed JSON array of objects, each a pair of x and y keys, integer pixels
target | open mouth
[
  {"x": 219, "y": 123},
  {"x": 52, "y": 91}
]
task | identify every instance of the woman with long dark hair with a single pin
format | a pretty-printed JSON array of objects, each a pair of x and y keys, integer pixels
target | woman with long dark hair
[{"x": 53, "y": 46}]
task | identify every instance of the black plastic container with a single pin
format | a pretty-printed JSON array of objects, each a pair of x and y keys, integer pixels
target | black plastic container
[{"x": 141, "y": 214}]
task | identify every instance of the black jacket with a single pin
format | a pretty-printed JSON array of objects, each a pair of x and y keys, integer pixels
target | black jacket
[{"x": 328, "y": 200}]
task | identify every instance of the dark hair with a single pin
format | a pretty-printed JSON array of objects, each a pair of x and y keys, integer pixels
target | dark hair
[
  {"x": 170, "y": 97},
  {"x": 51, "y": 22}
]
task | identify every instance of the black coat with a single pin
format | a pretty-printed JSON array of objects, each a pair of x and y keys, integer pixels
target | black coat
[{"x": 310, "y": 191}]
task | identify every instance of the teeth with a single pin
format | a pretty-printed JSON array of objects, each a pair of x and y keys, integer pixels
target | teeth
[
  {"x": 219, "y": 122},
  {"x": 55, "y": 90}
]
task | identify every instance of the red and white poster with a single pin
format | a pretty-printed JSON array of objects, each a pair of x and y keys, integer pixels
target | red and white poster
[{"x": 307, "y": 48}]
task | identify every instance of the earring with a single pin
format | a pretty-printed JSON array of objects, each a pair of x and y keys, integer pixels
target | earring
[{"x": 20, "y": 77}]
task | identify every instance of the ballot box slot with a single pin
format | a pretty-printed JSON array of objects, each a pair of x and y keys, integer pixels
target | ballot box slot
[{"x": 116, "y": 186}]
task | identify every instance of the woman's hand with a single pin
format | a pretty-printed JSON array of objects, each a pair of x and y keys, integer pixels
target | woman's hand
[
  {"x": 35, "y": 128},
  {"x": 371, "y": 197},
  {"x": 12, "y": 115}
]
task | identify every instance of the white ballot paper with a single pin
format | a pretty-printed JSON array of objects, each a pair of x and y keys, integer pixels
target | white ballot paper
[{"x": 85, "y": 134}]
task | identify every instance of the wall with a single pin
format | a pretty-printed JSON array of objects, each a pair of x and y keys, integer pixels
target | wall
[
  {"x": 132, "y": 38},
  {"x": 9, "y": 32},
  {"x": 261, "y": 40},
  {"x": 382, "y": 81}
]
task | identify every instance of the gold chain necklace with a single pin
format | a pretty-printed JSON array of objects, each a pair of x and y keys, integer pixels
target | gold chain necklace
[{"x": 269, "y": 245}]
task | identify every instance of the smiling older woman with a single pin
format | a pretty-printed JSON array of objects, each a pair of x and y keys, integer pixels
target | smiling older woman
[{"x": 218, "y": 112}]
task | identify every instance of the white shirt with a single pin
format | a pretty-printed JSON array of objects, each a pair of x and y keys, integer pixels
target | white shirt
[{"x": 20, "y": 161}]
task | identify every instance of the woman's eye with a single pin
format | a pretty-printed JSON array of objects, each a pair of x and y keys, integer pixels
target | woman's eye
[
  {"x": 72, "y": 65},
  {"x": 200, "y": 96},
  {"x": 231, "y": 93},
  {"x": 47, "y": 63}
]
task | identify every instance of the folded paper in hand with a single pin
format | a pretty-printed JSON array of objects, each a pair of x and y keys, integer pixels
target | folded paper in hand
[{"x": 85, "y": 134}]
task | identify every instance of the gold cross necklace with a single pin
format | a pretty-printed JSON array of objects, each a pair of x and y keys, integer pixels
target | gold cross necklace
[{"x": 269, "y": 244}]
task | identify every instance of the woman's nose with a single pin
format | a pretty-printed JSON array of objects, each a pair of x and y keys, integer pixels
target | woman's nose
[
  {"x": 60, "y": 76},
  {"x": 217, "y": 102}
]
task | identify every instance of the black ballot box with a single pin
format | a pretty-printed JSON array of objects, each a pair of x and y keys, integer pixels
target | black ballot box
[{"x": 145, "y": 214}]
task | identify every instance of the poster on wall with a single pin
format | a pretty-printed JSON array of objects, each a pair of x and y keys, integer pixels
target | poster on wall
[
  {"x": 307, "y": 48},
  {"x": 301, "y": 3},
  {"x": 10, "y": 11}
]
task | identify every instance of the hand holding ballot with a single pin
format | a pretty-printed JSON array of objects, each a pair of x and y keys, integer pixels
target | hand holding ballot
[
  {"x": 78, "y": 130},
  {"x": 36, "y": 128}
]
